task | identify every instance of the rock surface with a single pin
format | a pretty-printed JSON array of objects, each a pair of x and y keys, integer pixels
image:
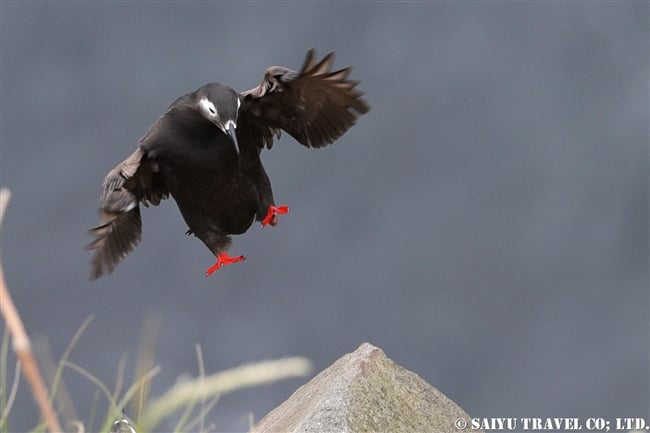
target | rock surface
[{"x": 364, "y": 391}]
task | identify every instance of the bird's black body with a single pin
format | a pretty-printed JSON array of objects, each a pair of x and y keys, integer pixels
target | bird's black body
[
  {"x": 205, "y": 152},
  {"x": 199, "y": 165}
]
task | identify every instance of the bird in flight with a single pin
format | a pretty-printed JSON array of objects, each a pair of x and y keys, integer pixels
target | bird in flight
[{"x": 204, "y": 151}]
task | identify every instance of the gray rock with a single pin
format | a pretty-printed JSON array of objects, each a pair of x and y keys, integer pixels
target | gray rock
[{"x": 364, "y": 391}]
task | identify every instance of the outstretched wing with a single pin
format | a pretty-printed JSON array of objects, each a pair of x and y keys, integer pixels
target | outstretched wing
[
  {"x": 315, "y": 105},
  {"x": 134, "y": 181}
]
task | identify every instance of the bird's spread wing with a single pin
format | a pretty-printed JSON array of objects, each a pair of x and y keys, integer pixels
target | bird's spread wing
[
  {"x": 134, "y": 181},
  {"x": 315, "y": 105}
]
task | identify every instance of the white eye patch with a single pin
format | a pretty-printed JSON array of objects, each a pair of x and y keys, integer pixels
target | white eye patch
[{"x": 208, "y": 108}]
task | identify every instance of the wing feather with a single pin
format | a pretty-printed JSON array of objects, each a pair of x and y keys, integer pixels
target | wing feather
[
  {"x": 315, "y": 105},
  {"x": 133, "y": 181}
]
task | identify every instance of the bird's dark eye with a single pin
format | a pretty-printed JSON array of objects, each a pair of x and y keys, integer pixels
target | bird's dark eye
[{"x": 212, "y": 110}]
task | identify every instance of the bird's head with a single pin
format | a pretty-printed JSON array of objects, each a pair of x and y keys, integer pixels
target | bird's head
[{"x": 220, "y": 104}]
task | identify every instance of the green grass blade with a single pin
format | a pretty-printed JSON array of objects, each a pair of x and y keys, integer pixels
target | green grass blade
[
  {"x": 4, "y": 426},
  {"x": 221, "y": 383},
  {"x": 93, "y": 411},
  {"x": 199, "y": 420},
  {"x": 100, "y": 385},
  {"x": 128, "y": 395},
  {"x": 66, "y": 355}
]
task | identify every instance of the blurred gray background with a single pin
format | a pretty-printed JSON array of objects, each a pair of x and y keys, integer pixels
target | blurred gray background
[{"x": 485, "y": 224}]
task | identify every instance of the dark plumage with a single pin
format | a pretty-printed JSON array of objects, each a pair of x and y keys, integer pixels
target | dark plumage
[{"x": 204, "y": 151}]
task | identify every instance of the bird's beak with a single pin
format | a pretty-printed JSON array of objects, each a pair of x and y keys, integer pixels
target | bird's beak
[{"x": 231, "y": 130}]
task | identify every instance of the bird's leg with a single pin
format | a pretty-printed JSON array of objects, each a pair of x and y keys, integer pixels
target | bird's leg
[
  {"x": 223, "y": 259},
  {"x": 272, "y": 214},
  {"x": 261, "y": 180}
]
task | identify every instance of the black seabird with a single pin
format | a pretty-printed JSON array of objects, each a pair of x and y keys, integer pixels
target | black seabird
[{"x": 204, "y": 151}]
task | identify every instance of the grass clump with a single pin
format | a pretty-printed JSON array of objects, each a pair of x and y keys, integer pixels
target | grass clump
[{"x": 188, "y": 402}]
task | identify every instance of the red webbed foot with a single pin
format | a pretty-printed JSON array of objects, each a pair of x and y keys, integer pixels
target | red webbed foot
[
  {"x": 223, "y": 259},
  {"x": 272, "y": 214}
]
